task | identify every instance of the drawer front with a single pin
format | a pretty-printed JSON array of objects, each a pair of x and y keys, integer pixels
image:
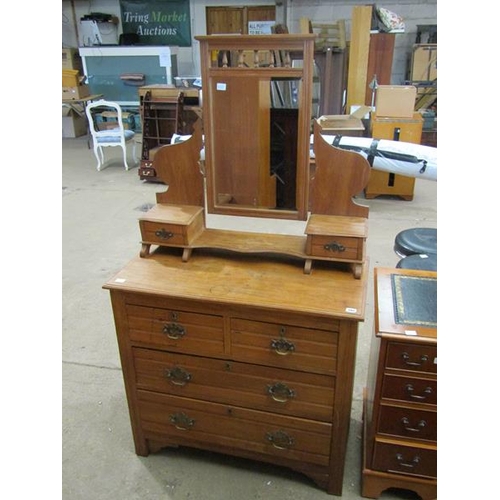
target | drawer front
[
  {"x": 409, "y": 389},
  {"x": 284, "y": 346},
  {"x": 413, "y": 357},
  {"x": 192, "y": 421},
  {"x": 408, "y": 423},
  {"x": 161, "y": 233},
  {"x": 180, "y": 331},
  {"x": 401, "y": 459},
  {"x": 270, "y": 389},
  {"x": 338, "y": 247}
]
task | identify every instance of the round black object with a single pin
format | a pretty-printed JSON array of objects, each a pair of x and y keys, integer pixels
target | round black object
[
  {"x": 418, "y": 240},
  {"x": 424, "y": 262}
]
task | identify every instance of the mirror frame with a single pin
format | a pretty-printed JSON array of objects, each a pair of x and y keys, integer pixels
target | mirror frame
[{"x": 223, "y": 57}]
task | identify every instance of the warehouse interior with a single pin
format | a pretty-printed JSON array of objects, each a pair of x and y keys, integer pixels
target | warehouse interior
[{"x": 88, "y": 427}]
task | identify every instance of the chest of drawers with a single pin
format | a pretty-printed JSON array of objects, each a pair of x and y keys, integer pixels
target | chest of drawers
[
  {"x": 240, "y": 355},
  {"x": 400, "y": 407}
]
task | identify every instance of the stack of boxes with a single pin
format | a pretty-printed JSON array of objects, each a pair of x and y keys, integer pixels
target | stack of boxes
[
  {"x": 73, "y": 124},
  {"x": 72, "y": 76}
]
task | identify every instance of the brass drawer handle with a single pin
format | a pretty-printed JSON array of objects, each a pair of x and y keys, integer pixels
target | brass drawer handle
[
  {"x": 280, "y": 392},
  {"x": 178, "y": 376},
  {"x": 174, "y": 331},
  {"x": 334, "y": 247},
  {"x": 282, "y": 346},
  {"x": 280, "y": 440},
  {"x": 164, "y": 235},
  {"x": 181, "y": 421},
  {"x": 423, "y": 359},
  {"x": 409, "y": 465},
  {"x": 406, "y": 424},
  {"x": 410, "y": 389}
]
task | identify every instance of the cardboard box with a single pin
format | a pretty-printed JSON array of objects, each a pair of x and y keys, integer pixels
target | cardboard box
[
  {"x": 395, "y": 101},
  {"x": 76, "y": 92},
  {"x": 71, "y": 60},
  {"x": 350, "y": 125},
  {"x": 424, "y": 63},
  {"x": 73, "y": 125},
  {"x": 70, "y": 78}
]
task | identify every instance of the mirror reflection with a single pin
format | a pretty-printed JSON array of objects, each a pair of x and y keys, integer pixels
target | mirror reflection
[{"x": 256, "y": 145}]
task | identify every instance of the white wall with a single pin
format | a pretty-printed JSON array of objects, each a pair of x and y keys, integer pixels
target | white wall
[{"x": 414, "y": 12}]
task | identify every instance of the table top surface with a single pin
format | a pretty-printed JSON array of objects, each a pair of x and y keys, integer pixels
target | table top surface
[
  {"x": 88, "y": 98},
  {"x": 271, "y": 282},
  {"x": 391, "y": 322}
]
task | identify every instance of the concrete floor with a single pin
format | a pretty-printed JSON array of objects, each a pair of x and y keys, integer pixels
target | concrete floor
[{"x": 100, "y": 234}]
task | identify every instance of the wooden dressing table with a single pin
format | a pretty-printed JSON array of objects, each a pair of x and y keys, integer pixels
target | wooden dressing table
[{"x": 232, "y": 341}]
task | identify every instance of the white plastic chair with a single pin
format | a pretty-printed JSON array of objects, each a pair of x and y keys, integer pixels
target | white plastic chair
[{"x": 117, "y": 136}]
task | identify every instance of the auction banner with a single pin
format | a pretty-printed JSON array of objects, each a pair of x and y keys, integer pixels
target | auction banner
[{"x": 158, "y": 22}]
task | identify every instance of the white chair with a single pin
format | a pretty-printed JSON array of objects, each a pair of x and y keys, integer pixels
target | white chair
[{"x": 108, "y": 137}]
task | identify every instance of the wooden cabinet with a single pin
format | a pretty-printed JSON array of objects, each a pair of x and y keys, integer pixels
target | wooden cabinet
[
  {"x": 400, "y": 407},
  {"x": 394, "y": 129},
  {"x": 241, "y": 356}
]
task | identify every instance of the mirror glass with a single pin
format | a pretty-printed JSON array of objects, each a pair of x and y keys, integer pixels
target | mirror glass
[{"x": 254, "y": 146}]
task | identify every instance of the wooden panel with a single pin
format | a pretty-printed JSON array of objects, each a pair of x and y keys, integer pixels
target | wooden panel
[
  {"x": 395, "y": 457},
  {"x": 345, "y": 172},
  {"x": 241, "y": 138},
  {"x": 409, "y": 389},
  {"x": 176, "y": 330},
  {"x": 302, "y": 439},
  {"x": 379, "y": 61},
  {"x": 411, "y": 357},
  {"x": 408, "y": 423},
  {"x": 284, "y": 346},
  {"x": 222, "y": 20},
  {"x": 279, "y": 391},
  {"x": 358, "y": 55},
  {"x": 261, "y": 13}
]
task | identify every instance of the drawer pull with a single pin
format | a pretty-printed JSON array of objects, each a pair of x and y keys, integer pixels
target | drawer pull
[
  {"x": 408, "y": 465},
  {"x": 406, "y": 424},
  {"x": 410, "y": 389},
  {"x": 423, "y": 359},
  {"x": 334, "y": 247},
  {"x": 178, "y": 376},
  {"x": 280, "y": 392},
  {"x": 280, "y": 440},
  {"x": 163, "y": 235},
  {"x": 181, "y": 421},
  {"x": 174, "y": 331},
  {"x": 282, "y": 346}
]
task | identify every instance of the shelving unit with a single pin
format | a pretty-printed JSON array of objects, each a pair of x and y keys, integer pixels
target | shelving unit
[{"x": 165, "y": 111}]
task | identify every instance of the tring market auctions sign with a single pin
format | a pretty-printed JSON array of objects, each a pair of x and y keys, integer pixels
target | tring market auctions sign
[{"x": 158, "y": 22}]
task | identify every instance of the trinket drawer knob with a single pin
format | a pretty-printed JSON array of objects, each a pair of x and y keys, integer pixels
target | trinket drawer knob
[
  {"x": 181, "y": 421},
  {"x": 280, "y": 392},
  {"x": 425, "y": 395},
  {"x": 407, "y": 427},
  {"x": 409, "y": 465},
  {"x": 406, "y": 358},
  {"x": 280, "y": 440},
  {"x": 174, "y": 331},
  {"x": 178, "y": 376},
  {"x": 282, "y": 346},
  {"x": 334, "y": 247},
  {"x": 164, "y": 235}
]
